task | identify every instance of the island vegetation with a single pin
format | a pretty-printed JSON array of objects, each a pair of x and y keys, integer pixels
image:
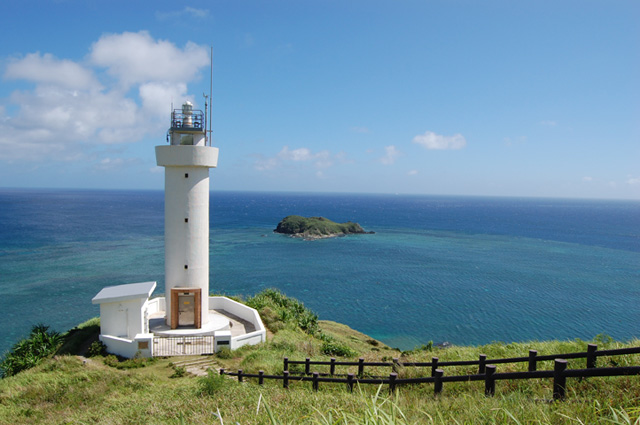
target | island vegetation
[
  {"x": 316, "y": 227},
  {"x": 78, "y": 383}
]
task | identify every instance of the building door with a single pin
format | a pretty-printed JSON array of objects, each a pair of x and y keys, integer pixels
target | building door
[{"x": 186, "y": 309}]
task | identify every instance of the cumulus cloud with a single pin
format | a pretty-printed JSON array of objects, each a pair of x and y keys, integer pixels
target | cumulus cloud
[
  {"x": 587, "y": 179},
  {"x": 431, "y": 140},
  {"x": 391, "y": 153},
  {"x": 413, "y": 173},
  {"x": 138, "y": 58},
  {"x": 69, "y": 109},
  {"x": 46, "y": 69},
  {"x": 633, "y": 180}
]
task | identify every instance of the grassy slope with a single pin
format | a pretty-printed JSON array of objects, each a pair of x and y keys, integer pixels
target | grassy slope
[{"x": 68, "y": 389}]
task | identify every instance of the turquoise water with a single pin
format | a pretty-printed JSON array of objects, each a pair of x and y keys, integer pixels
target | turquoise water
[{"x": 463, "y": 270}]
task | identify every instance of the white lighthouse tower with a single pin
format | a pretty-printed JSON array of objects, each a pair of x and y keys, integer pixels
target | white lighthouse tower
[
  {"x": 133, "y": 324},
  {"x": 186, "y": 217}
]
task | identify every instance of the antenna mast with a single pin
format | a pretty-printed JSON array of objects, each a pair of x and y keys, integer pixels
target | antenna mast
[{"x": 210, "y": 97}]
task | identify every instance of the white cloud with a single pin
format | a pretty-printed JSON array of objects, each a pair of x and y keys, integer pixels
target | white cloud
[
  {"x": 633, "y": 180},
  {"x": 138, "y": 58},
  {"x": 158, "y": 96},
  {"x": 587, "y": 179},
  {"x": 69, "y": 111},
  {"x": 301, "y": 154},
  {"x": 391, "y": 153},
  {"x": 189, "y": 12},
  {"x": 321, "y": 160},
  {"x": 431, "y": 140},
  {"x": 549, "y": 123},
  {"x": 412, "y": 173},
  {"x": 110, "y": 164},
  {"x": 46, "y": 69}
]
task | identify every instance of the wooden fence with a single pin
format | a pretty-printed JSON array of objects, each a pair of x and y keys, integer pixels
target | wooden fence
[{"x": 486, "y": 371}]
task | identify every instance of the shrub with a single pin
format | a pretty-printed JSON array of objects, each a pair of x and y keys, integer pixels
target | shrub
[
  {"x": 212, "y": 383},
  {"x": 97, "y": 348},
  {"x": 225, "y": 353},
  {"x": 278, "y": 310},
  {"x": 28, "y": 352},
  {"x": 134, "y": 363},
  {"x": 331, "y": 347},
  {"x": 178, "y": 372}
]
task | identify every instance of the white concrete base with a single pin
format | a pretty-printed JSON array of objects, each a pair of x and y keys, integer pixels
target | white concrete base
[{"x": 216, "y": 322}]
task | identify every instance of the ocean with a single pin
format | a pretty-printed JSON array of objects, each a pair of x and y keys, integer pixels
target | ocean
[{"x": 466, "y": 270}]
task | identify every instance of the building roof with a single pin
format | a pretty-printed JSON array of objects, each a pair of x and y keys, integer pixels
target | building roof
[{"x": 130, "y": 291}]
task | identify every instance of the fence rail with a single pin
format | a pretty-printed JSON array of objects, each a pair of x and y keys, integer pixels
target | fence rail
[
  {"x": 532, "y": 359},
  {"x": 486, "y": 372}
]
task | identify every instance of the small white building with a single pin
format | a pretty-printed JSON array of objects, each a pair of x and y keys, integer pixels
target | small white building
[{"x": 131, "y": 323}]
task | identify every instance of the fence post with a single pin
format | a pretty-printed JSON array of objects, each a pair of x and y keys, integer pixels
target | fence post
[
  {"x": 392, "y": 382},
  {"x": 533, "y": 362},
  {"x": 559, "y": 380},
  {"x": 285, "y": 379},
  {"x": 489, "y": 381},
  {"x": 315, "y": 381},
  {"x": 361, "y": 366},
  {"x": 434, "y": 365},
  {"x": 286, "y": 364},
  {"x": 394, "y": 366},
  {"x": 482, "y": 361},
  {"x": 260, "y": 377},
  {"x": 184, "y": 346},
  {"x": 591, "y": 355},
  {"x": 221, "y": 371},
  {"x": 307, "y": 365},
  {"x": 350, "y": 381},
  {"x": 239, "y": 375},
  {"x": 332, "y": 371},
  {"x": 437, "y": 383}
]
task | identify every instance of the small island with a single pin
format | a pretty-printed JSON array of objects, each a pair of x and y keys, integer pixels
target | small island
[{"x": 310, "y": 228}]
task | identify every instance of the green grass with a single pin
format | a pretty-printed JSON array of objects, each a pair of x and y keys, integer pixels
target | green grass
[{"x": 73, "y": 389}]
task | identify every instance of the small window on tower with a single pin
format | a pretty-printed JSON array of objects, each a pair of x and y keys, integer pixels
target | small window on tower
[
  {"x": 186, "y": 175},
  {"x": 186, "y": 267},
  {"x": 186, "y": 220}
]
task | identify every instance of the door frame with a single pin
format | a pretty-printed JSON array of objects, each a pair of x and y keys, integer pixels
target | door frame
[{"x": 197, "y": 319}]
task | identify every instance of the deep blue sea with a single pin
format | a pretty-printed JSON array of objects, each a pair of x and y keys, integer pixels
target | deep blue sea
[{"x": 468, "y": 270}]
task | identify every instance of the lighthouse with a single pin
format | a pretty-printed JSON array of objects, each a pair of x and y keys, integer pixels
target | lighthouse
[
  {"x": 134, "y": 324},
  {"x": 186, "y": 161}
]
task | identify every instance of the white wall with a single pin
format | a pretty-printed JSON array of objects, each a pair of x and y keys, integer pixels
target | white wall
[
  {"x": 128, "y": 347},
  {"x": 122, "y": 319}
]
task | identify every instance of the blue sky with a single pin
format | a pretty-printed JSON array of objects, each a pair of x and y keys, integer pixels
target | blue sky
[{"x": 493, "y": 98}]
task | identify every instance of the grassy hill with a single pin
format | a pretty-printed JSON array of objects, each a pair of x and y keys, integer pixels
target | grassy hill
[{"x": 67, "y": 388}]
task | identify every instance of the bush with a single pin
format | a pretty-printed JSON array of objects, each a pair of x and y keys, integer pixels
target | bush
[
  {"x": 278, "y": 310},
  {"x": 97, "y": 348},
  {"x": 225, "y": 353},
  {"x": 212, "y": 383},
  {"x": 331, "y": 347},
  {"x": 134, "y": 363},
  {"x": 28, "y": 352},
  {"x": 178, "y": 372}
]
